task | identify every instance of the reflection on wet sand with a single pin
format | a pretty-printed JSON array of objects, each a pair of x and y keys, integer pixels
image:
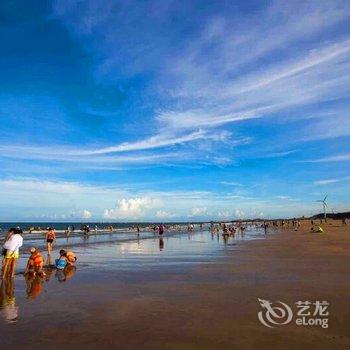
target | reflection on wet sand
[
  {"x": 65, "y": 274},
  {"x": 8, "y": 307},
  {"x": 161, "y": 243},
  {"x": 35, "y": 282},
  {"x": 192, "y": 247},
  {"x": 34, "y": 286},
  {"x": 48, "y": 272}
]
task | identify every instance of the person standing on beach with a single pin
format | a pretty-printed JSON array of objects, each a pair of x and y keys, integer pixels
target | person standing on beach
[
  {"x": 265, "y": 227},
  {"x": 50, "y": 238},
  {"x": 12, "y": 246},
  {"x": 161, "y": 229},
  {"x": 4, "y": 250}
]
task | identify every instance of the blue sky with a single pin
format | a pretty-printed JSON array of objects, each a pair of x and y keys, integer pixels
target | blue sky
[{"x": 173, "y": 110}]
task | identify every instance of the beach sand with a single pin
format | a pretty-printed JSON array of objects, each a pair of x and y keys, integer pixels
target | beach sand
[{"x": 205, "y": 305}]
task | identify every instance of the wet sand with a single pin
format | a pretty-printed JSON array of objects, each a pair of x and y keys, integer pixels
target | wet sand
[{"x": 175, "y": 301}]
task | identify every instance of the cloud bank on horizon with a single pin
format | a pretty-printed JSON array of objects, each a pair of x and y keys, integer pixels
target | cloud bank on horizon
[{"x": 197, "y": 110}]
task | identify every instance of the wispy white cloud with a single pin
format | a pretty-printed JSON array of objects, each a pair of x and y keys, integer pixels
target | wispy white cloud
[
  {"x": 283, "y": 197},
  {"x": 279, "y": 154},
  {"x": 157, "y": 141},
  {"x": 286, "y": 198},
  {"x": 326, "y": 182},
  {"x": 290, "y": 69},
  {"x": 49, "y": 187},
  {"x": 283, "y": 94},
  {"x": 132, "y": 151},
  {"x": 331, "y": 181},
  {"x": 72, "y": 155},
  {"x": 231, "y": 183},
  {"x": 335, "y": 158},
  {"x": 329, "y": 126},
  {"x": 310, "y": 74}
]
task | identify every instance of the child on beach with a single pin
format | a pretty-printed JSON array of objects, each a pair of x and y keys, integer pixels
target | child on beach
[
  {"x": 65, "y": 259},
  {"x": 35, "y": 263},
  {"x": 71, "y": 258},
  {"x": 61, "y": 262}
]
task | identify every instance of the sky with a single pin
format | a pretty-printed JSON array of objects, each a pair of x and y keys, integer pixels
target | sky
[{"x": 173, "y": 110}]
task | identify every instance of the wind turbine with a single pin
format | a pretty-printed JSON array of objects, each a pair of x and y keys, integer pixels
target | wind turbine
[{"x": 323, "y": 201}]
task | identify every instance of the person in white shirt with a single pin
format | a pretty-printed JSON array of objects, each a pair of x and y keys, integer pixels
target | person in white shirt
[
  {"x": 11, "y": 253},
  {"x": 3, "y": 253}
]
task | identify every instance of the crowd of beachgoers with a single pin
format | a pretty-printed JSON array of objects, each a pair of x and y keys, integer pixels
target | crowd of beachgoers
[
  {"x": 43, "y": 262},
  {"x": 35, "y": 264},
  {"x": 13, "y": 240}
]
